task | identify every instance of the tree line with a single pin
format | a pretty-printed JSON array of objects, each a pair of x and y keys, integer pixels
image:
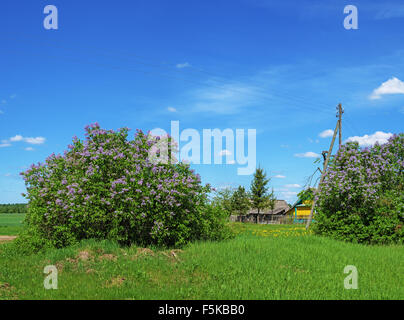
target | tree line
[
  {"x": 13, "y": 208},
  {"x": 239, "y": 201}
]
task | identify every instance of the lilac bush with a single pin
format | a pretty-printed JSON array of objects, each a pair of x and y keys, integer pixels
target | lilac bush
[
  {"x": 362, "y": 196},
  {"x": 106, "y": 187}
]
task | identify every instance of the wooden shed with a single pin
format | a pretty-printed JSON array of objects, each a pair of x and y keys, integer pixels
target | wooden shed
[{"x": 300, "y": 210}]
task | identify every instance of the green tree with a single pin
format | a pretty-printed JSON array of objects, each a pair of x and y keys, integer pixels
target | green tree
[
  {"x": 306, "y": 194},
  {"x": 223, "y": 199},
  {"x": 271, "y": 200},
  {"x": 259, "y": 190},
  {"x": 240, "y": 202}
]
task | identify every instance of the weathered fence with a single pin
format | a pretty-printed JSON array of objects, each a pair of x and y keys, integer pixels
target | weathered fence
[{"x": 262, "y": 219}]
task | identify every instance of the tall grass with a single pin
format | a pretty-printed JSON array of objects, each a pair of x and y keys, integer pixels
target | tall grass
[{"x": 262, "y": 262}]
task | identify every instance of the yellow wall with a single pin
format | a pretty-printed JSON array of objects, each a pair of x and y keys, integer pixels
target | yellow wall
[{"x": 303, "y": 211}]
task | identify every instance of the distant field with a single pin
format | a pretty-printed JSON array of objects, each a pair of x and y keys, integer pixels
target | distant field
[
  {"x": 11, "y": 223},
  {"x": 262, "y": 262}
]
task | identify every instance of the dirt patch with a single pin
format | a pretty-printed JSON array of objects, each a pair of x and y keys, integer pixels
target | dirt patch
[
  {"x": 108, "y": 256},
  {"x": 142, "y": 252},
  {"x": 59, "y": 266},
  {"x": 172, "y": 254},
  {"x": 7, "y": 291},
  {"x": 7, "y": 238},
  {"x": 115, "y": 282},
  {"x": 84, "y": 255}
]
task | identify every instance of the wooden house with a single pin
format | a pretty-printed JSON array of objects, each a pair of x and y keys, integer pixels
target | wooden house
[{"x": 266, "y": 216}]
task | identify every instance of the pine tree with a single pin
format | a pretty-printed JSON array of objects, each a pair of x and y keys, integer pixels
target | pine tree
[
  {"x": 271, "y": 200},
  {"x": 259, "y": 190},
  {"x": 240, "y": 201}
]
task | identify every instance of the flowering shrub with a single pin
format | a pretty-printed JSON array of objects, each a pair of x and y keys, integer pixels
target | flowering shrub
[
  {"x": 362, "y": 196},
  {"x": 106, "y": 187}
]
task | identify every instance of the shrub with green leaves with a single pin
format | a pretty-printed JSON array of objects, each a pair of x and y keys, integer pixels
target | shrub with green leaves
[
  {"x": 362, "y": 196},
  {"x": 107, "y": 187}
]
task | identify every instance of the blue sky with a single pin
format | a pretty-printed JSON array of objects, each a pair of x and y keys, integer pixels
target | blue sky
[{"x": 279, "y": 67}]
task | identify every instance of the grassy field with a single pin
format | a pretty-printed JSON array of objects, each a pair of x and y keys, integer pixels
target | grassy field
[
  {"x": 262, "y": 262},
  {"x": 10, "y": 223}
]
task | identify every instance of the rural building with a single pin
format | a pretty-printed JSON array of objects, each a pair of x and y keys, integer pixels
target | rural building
[
  {"x": 266, "y": 216},
  {"x": 300, "y": 211}
]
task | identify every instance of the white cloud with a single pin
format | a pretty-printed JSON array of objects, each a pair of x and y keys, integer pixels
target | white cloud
[
  {"x": 183, "y": 65},
  {"x": 3, "y": 145},
  {"x": 279, "y": 176},
  {"x": 171, "y": 109},
  {"x": 37, "y": 140},
  {"x": 293, "y": 185},
  {"x": 29, "y": 149},
  {"x": 231, "y": 162},
  {"x": 326, "y": 133},
  {"x": 288, "y": 194},
  {"x": 308, "y": 154},
  {"x": 29, "y": 140},
  {"x": 16, "y": 138},
  {"x": 369, "y": 140},
  {"x": 8, "y": 175},
  {"x": 392, "y": 86},
  {"x": 224, "y": 153}
]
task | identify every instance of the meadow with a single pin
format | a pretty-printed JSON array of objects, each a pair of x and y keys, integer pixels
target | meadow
[
  {"x": 10, "y": 223},
  {"x": 261, "y": 262}
]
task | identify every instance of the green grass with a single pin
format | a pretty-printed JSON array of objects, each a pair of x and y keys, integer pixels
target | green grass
[
  {"x": 262, "y": 262},
  {"x": 11, "y": 223}
]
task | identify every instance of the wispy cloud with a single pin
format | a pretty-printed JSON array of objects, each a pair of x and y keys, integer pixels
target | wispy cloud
[
  {"x": 391, "y": 86},
  {"x": 227, "y": 98},
  {"x": 390, "y": 11},
  {"x": 279, "y": 176},
  {"x": 183, "y": 65},
  {"x": 171, "y": 109},
  {"x": 29, "y": 149},
  {"x": 288, "y": 194},
  {"x": 4, "y": 145},
  {"x": 293, "y": 185},
  {"x": 369, "y": 140},
  {"x": 308, "y": 154}
]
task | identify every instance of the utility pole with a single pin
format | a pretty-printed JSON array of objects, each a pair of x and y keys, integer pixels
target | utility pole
[
  {"x": 324, "y": 169},
  {"x": 339, "y": 115}
]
